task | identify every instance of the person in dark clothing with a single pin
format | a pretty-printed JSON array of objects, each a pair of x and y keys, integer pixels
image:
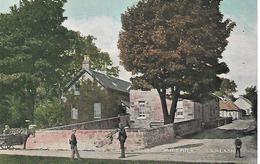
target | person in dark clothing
[
  {"x": 238, "y": 145},
  {"x": 27, "y": 133},
  {"x": 122, "y": 137},
  {"x": 121, "y": 109},
  {"x": 73, "y": 145},
  {"x": 25, "y": 138}
]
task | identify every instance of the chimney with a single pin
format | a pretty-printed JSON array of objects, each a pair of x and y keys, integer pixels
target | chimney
[{"x": 86, "y": 63}]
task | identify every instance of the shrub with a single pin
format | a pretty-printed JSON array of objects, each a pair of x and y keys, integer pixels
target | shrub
[{"x": 51, "y": 113}]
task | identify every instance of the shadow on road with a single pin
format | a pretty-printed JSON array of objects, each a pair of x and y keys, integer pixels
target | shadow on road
[
  {"x": 187, "y": 146},
  {"x": 132, "y": 155},
  {"x": 218, "y": 134}
]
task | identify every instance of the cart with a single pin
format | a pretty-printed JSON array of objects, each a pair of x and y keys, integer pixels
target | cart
[{"x": 8, "y": 141}]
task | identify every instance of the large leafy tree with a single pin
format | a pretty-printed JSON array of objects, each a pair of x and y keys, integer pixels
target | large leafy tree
[
  {"x": 99, "y": 60},
  {"x": 38, "y": 55},
  {"x": 175, "y": 45}
]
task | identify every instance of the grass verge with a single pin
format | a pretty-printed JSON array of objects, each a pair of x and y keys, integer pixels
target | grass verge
[{"x": 18, "y": 159}]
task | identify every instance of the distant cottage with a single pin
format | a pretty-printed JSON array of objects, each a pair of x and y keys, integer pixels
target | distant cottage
[
  {"x": 92, "y": 95},
  {"x": 245, "y": 105},
  {"x": 229, "y": 109}
]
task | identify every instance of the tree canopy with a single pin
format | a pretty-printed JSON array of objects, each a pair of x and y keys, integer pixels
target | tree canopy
[
  {"x": 227, "y": 88},
  {"x": 38, "y": 55},
  {"x": 176, "y": 45}
]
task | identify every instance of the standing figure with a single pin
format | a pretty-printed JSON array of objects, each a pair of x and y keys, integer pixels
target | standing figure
[
  {"x": 122, "y": 137},
  {"x": 6, "y": 130},
  {"x": 26, "y": 133},
  {"x": 73, "y": 145},
  {"x": 25, "y": 138},
  {"x": 238, "y": 145}
]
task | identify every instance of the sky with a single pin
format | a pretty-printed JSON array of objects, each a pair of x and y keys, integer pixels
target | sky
[{"x": 101, "y": 18}]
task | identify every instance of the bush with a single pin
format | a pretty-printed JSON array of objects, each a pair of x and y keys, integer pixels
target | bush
[
  {"x": 51, "y": 113},
  {"x": 13, "y": 111}
]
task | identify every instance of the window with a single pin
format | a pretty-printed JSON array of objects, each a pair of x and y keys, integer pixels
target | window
[
  {"x": 180, "y": 113},
  {"x": 97, "y": 110},
  {"x": 74, "y": 113},
  {"x": 141, "y": 109},
  {"x": 77, "y": 89}
]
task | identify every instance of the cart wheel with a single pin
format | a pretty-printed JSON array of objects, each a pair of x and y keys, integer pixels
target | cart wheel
[
  {"x": 4, "y": 146},
  {"x": 8, "y": 147},
  {"x": 11, "y": 147}
]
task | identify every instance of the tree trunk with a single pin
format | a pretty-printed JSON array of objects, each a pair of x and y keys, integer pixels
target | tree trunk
[
  {"x": 175, "y": 96},
  {"x": 33, "y": 97},
  {"x": 166, "y": 116}
]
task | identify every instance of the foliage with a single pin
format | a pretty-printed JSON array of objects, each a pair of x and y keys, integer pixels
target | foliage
[
  {"x": 227, "y": 88},
  {"x": 175, "y": 45},
  {"x": 39, "y": 55},
  {"x": 90, "y": 93},
  {"x": 99, "y": 60},
  {"x": 3, "y": 116},
  {"x": 251, "y": 94},
  {"x": 32, "y": 42},
  {"x": 13, "y": 111},
  {"x": 51, "y": 113}
]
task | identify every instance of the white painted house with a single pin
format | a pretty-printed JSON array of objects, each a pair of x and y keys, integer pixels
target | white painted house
[
  {"x": 244, "y": 104},
  {"x": 229, "y": 109}
]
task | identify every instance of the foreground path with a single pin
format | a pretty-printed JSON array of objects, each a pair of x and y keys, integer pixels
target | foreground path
[
  {"x": 214, "y": 145},
  {"x": 237, "y": 125}
]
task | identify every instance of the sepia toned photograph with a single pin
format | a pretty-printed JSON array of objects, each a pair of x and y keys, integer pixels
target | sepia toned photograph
[{"x": 128, "y": 81}]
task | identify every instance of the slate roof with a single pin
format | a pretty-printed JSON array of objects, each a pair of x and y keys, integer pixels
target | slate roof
[
  {"x": 227, "y": 105},
  {"x": 106, "y": 81}
]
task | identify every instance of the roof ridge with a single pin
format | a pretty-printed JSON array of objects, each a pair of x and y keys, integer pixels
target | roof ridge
[
  {"x": 111, "y": 76},
  {"x": 247, "y": 100},
  {"x": 105, "y": 80},
  {"x": 230, "y": 104}
]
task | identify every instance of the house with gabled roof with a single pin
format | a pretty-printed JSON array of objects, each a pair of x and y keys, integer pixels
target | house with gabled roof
[
  {"x": 93, "y": 95},
  {"x": 229, "y": 109},
  {"x": 245, "y": 105}
]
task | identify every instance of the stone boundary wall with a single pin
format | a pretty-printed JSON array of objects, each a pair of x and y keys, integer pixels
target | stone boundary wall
[
  {"x": 193, "y": 126},
  {"x": 187, "y": 127},
  {"x": 224, "y": 120},
  {"x": 159, "y": 135},
  {"x": 108, "y": 123},
  {"x": 89, "y": 140}
]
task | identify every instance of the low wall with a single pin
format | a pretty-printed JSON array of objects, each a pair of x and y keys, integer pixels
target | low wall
[
  {"x": 159, "y": 135},
  {"x": 187, "y": 127},
  {"x": 224, "y": 120},
  {"x": 87, "y": 140},
  {"x": 109, "y": 123},
  {"x": 90, "y": 140}
]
